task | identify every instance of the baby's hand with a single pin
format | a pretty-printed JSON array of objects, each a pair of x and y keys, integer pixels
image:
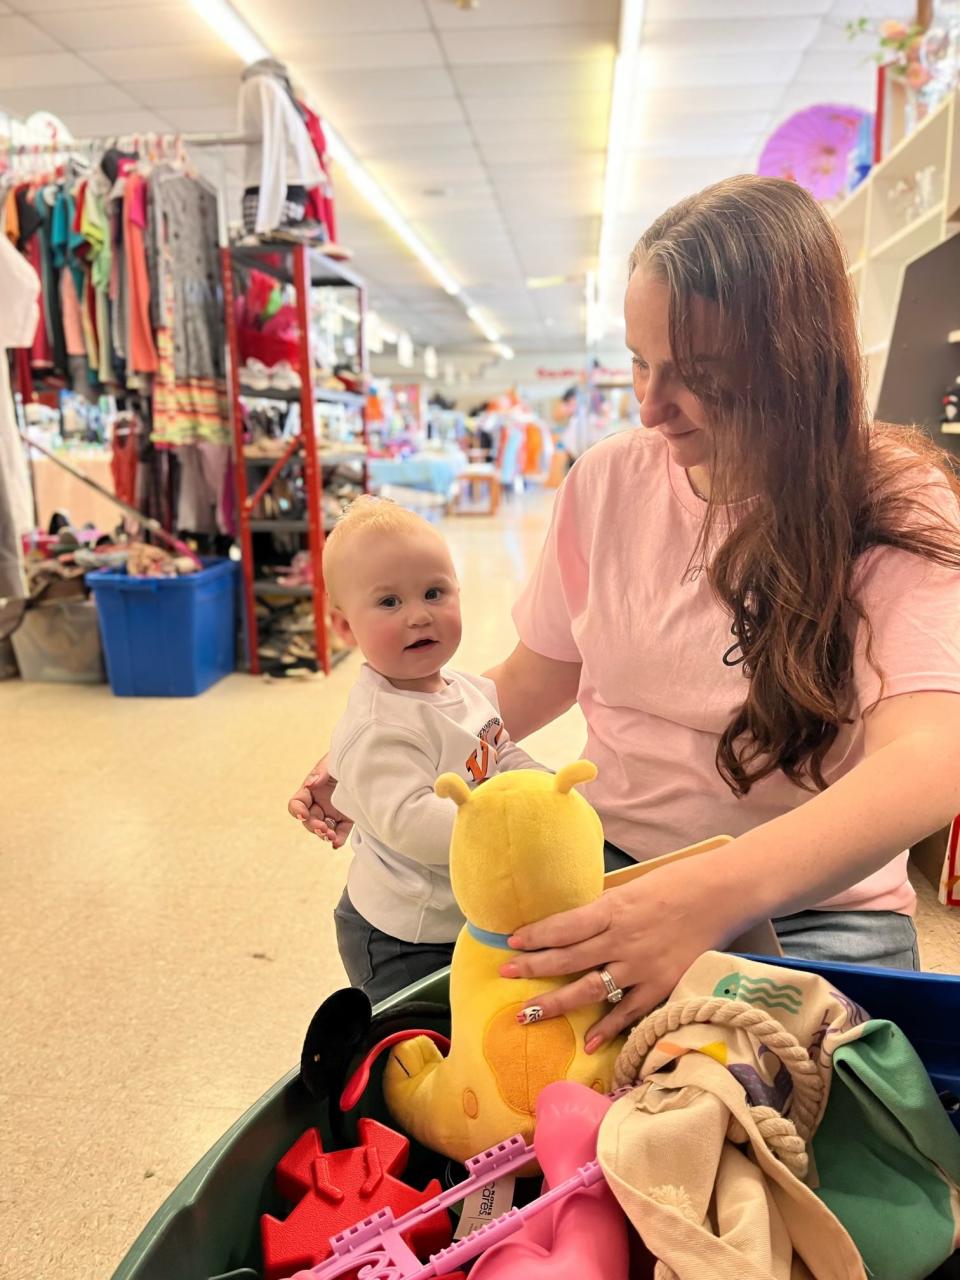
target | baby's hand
[{"x": 313, "y": 806}]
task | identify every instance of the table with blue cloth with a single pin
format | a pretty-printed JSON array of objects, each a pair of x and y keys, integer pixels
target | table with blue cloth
[{"x": 435, "y": 474}]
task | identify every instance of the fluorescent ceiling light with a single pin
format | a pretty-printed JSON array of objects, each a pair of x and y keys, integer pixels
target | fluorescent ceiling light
[
  {"x": 618, "y": 136},
  {"x": 377, "y": 197},
  {"x": 546, "y": 282},
  {"x": 591, "y": 304},
  {"x": 502, "y": 350},
  {"x": 232, "y": 30},
  {"x": 483, "y": 324}
]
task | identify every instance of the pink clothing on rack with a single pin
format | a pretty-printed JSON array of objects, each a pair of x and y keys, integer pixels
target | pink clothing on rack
[
  {"x": 141, "y": 349},
  {"x": 72, "y": 315},
  {"x": 611, "y": 591}
]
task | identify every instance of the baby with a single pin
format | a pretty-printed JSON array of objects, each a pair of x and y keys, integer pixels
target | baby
[{"x": 393, "y": 592}]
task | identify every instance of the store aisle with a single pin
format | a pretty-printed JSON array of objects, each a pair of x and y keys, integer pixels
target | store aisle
[{"x": 165, "y": 928}]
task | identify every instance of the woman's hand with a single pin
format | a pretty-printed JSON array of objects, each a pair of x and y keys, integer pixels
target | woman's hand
[
  {"x": 645, "y": 934},
  {"x": 313, "y": 806}
]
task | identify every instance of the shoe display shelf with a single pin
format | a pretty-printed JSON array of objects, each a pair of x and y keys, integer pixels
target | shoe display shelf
[{"x": 323, "y": 448}]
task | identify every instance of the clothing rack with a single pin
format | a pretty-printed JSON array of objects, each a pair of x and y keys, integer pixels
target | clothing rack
[{"x": 59, "y": 146}]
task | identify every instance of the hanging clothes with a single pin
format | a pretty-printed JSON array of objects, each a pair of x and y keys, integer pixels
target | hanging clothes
[
  {"x": 190, "y": 227},
  {"x": 140, "y": 347},
  {"x": 50, "y": 276},
  {"x": 320, "y": 198},
  {"x": 20, "y": 290},
  {"x": 283, "y": 155}
]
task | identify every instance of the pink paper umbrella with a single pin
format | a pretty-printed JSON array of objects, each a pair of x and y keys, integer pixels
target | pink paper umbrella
[{"x": 811, "y": 148}]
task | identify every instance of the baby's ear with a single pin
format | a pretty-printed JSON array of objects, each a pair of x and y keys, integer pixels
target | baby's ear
[
  {"x": 451, "y": 787},
  {"x": 342, "y": 627}
]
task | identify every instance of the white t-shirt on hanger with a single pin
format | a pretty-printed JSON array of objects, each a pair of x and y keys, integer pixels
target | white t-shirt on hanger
[
  {"x": 20, "y": 290},
  {"x": 284, "y": 156}
]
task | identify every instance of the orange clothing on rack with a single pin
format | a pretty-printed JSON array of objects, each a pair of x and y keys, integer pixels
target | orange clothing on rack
[
  {"x": 12, "y": 217},
  {"x": 141, "y": 349}
]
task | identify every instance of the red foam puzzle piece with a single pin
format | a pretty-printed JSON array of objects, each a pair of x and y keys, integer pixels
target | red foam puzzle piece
[{"x": 333, "y": 1190}]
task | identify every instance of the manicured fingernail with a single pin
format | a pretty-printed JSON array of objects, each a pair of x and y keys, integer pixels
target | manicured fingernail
[
  {"x": 509, "y": 971},
  {"x": 515, "y": 942},
  {"x": 593, "y": 1044},
  {"x": 532, "y": 1014}
]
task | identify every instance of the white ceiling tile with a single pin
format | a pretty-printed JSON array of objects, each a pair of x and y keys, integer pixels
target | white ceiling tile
[
  {"x": 387, "y": 82},
  {"x": 577, "y": 76},
  {"x": 42, "y": 69},
  {"x": 17, "y": 36},
  {"x": 168, "y": 62},
  {"x": 681, "y": 70},
  {"x": 905, "y": 10},
  {"x": 588, "y": 133},
  {"x": 198, "y": 92},
  {"x": 527, "y": 44},
  {"x": 517, "y": 154},
  {"x": 656, "y": 135},
  {"x": 665, "y": 103},
  {"x": 127, "y": 27},
  {"x": 435, "y": 168},
  {"x": 94, "y": 124},
  {"x": 31, "y": 7},
  {"x": 724, "y": 35},
  {"x": 389, "y": 50},
  {"x": 378, "y": 140},
  {"x": 331, "y": 18},
  {"x": 572, "y": 167},
  {"x": 202, "y": 119},
  {"x": 509, "y": 13},
  {"x": 803, "y": 94},
  {"x": 63, "y": 97},
  {"x": 569, "y": 108},
  {"x": 402, "y": 111},
  {"x": 707, "y": 9},
  {"x": 825, "y": 65}
]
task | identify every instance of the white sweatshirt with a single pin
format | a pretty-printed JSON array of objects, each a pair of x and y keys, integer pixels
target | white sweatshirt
[
  {"x": 284, "y": 156},
  {"x": 388, "y": 750}
]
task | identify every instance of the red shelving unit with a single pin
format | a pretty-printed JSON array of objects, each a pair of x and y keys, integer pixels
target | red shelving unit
[{"x": 303, "y": 269}]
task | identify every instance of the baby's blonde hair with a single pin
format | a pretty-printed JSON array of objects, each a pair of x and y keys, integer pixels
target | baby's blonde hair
[{"x": 366, "y": 512}]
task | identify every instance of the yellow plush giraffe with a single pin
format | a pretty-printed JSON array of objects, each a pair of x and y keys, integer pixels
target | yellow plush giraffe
[{"x": 525, "y": 845}]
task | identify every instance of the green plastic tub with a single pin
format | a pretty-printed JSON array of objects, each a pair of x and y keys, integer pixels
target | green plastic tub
[{"x": 209, "y": 1226}]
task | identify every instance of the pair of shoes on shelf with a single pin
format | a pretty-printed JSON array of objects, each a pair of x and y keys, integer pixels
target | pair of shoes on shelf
[
  {"x": 265, "y": 447},
  {"x": 260, "y": 377},
  {"x": 300, "y": 573}
]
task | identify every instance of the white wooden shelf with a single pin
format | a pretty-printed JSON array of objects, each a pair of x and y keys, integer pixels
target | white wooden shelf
[
  {"x": 878, "y": 250},
  {"x": 915, "y": 238}
]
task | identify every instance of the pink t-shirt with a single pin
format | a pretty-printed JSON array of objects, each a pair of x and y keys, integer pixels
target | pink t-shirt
[{"x": 609, "y": 592}]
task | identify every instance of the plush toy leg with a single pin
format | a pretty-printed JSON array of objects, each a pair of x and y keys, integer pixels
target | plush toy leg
[{"x": 409, "y": 1080}]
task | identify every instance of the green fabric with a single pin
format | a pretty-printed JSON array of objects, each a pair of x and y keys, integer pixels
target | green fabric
[{"x": 878, "y": 1149}]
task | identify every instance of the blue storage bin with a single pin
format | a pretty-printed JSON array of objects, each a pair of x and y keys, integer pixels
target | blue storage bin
[{"x": 167, "y": 637}]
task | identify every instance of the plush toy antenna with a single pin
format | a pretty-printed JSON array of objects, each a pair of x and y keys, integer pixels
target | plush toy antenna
[
  {"x": 451, "y": 787},
  {"x": 571, "y": 774}
]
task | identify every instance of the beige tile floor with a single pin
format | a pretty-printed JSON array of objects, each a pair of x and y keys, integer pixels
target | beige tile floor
[{"x": 165, "y": 928}]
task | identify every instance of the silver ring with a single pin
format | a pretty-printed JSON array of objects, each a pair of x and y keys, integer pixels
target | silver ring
[{"x": 614, "y": 993}]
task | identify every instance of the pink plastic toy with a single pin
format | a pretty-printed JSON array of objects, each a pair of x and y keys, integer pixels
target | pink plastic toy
[
  {"x": 554, "y": 1235},
  {"x": 562, "y": 1244}
]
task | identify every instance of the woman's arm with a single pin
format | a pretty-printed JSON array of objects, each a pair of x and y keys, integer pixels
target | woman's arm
[
  {"x": 533, "y": 690},
  {"x": 648, "y": 932}
]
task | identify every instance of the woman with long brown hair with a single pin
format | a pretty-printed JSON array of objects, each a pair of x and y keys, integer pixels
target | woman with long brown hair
[{"x": 756, "y": 602}]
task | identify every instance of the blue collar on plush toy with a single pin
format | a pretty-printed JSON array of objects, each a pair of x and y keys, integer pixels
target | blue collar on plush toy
[{"x": 501, "y": 940}]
